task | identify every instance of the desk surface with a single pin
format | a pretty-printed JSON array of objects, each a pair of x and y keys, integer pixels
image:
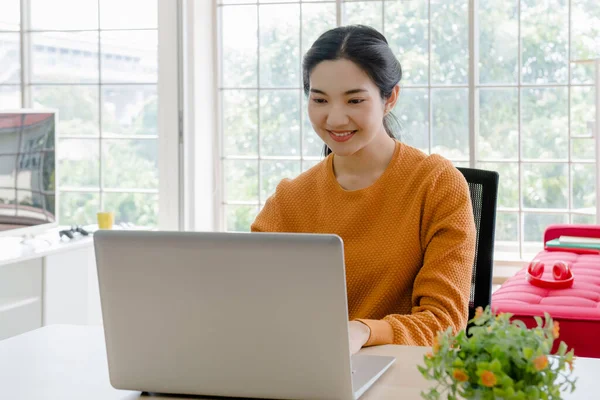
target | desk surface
[
  {"x": 69, "y": 362},
  {"x": 13, "y": 251}
]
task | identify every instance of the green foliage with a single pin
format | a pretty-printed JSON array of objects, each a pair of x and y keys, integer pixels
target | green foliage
[
  {"x": 499, "y": 359},
  {"x": 78, "y": 208}
]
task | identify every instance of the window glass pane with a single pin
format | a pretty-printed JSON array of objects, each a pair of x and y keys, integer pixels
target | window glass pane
[
  {"x": 506, "y": 244},
  {"x": 77, "y": 107},
  {"x": 78, "y": 163},
  {"x": 545, "y": 185},
  {"x": 272, "y": 172},
  {"x": 130, "y": 164},
  {"x": 536, "y": 224},
  {"x": 582, "y": 72},
  {"x": 583, "y": 219},
  {"x": 316, "y": 19},
  {"x": 10, "y": 54},
  {"x": 239, "y": 218},
  {"x": 129, "y": 110},
  {"x": 498, "y": 41},
  {"x": 31, "y": 204},
  {"x": 312, "y": 143},
  {"x": 78, "y": 208},
  {"x": 280, "y": 122},
  {"x": 450, "y": 131},
  {"x": 544, "y": 31},
  {"x": 8, "y": 198},
  {"x": 363, "y": 12},
  {"x": 10, "y": 15},
  {"x": 544, "y": 123},
  {"x": 10, "y": 97},
  {"x": 583, "y": 178},
  {"x": 406, "y": 29},
  {"x": 239, "y": 44},
  {"x": 240, "y": 131},
  {"x": 412, "y": 111},
  {"x": 34, "y": 205},
  {"x": 498, "y": 124},
  {"x": 129, "y": 56},
  {"x": 64, "y": 14},
  {"x": 508, "y": 184},
  {"x": 279, "y": 46},
  {"x": 139, "y": 209},
  {"x": 240, "y": 180},
  {"x": 308, "y": 164},
  {"x": 449, "y": 41},
  {"x": 64, "y": 57},
  {"x": 583, "y": 149},
  {"x": 583, "y": 110},
  {"x": 130, "y": 14},
  {"x": 7, "y": 170},
  {"x": 507, "y": 227},
  {"x": 585, "y": 38}
]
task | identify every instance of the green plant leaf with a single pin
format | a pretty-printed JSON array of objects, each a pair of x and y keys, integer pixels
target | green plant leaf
[
  {"x": 562, "y": 348},
  {"x": 507, "y": 349}
]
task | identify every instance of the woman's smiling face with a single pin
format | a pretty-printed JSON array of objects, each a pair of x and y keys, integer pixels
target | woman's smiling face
[{"x": 345, "y": 106}]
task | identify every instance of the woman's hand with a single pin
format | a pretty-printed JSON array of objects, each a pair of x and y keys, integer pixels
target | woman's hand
[{"x": 359, "y": 333}]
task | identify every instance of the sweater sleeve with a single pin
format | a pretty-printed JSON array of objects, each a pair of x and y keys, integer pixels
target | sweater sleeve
[{"x": 441, "y": 289}]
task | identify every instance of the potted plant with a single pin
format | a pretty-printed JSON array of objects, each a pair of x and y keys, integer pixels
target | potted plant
[{"x": 499, "y": 359}]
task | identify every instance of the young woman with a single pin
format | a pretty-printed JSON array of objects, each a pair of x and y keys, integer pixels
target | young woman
[{"x": 405, "y": 217}]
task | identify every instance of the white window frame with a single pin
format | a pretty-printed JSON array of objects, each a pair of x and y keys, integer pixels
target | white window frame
[
  {"x": 200, "y": 112},
  {"x": 170, "y": 113}
]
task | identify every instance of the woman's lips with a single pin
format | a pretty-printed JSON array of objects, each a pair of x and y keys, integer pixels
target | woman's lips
[{"x": 341, "y": 136}]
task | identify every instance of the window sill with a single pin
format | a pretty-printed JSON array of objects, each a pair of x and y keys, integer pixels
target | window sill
[{"x": 504, "y": 269}]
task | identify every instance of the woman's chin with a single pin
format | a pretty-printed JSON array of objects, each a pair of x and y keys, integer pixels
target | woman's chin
[{"x": 342, "y": 149}]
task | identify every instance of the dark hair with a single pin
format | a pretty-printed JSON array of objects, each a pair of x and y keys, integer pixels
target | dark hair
[{"x": 365, "y": 47}]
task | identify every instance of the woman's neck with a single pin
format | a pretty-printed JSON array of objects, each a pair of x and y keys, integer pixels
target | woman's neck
[{"x": 370, "y": 161}]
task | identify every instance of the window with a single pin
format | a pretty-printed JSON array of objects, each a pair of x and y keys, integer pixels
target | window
[
  {"x": 534, "y": 109},
  {"x": 98, "y": 65},
  {"x": 519, "y": 107}
]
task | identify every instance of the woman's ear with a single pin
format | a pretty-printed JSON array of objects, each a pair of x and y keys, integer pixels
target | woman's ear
[{"x": 391, "y": 101}]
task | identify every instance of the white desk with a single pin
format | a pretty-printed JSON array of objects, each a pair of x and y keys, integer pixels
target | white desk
[
  {"x": 13, "y": 251},
  {"x": 69, "y": 362}
]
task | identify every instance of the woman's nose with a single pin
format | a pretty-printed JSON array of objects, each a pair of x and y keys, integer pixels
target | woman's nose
[{"x": 337, "y": 117}]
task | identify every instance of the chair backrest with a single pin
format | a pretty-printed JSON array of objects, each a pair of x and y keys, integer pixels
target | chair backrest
[{"x": 483, "y": 186}]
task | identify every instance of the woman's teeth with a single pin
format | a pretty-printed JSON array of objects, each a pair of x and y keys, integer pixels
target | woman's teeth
[{"x": 342, "y": 134}]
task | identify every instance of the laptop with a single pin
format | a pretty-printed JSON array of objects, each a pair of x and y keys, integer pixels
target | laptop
[{"x": 254, "y": 315}]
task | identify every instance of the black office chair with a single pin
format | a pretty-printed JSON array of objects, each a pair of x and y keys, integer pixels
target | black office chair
[{"x": 483, "y": 186}]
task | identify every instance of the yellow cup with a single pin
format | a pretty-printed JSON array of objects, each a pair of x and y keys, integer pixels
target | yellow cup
[{"x": 106, "y": 219}]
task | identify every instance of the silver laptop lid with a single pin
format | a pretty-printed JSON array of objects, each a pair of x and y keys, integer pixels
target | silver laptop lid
[{"x": 228, "y": 314}]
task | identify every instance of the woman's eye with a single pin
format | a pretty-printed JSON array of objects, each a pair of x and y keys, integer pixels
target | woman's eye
[
  {"x": 320, "y": 101},
  {"x": 356, "y": 101}
]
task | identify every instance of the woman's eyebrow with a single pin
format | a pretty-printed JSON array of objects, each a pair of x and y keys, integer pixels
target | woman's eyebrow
[{"x": 351, "y": 91}]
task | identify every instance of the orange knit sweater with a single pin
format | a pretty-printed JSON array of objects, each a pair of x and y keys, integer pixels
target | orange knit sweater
[{"x": 409, "y": 241}]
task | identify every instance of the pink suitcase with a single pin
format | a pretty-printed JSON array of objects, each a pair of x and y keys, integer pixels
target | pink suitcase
[{"x": 576, "y": 308}]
